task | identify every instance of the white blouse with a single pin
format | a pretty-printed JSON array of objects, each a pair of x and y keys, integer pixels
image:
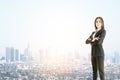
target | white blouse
[{"x": 94, "y": 33}]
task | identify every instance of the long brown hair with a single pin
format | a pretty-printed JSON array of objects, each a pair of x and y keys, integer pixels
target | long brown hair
[{"x": 101, "y": 21}]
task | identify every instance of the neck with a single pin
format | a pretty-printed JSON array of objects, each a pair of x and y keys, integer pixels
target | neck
[{"x": 98, "y": 29}]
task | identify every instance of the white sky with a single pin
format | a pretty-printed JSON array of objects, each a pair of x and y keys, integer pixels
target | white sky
[{"x": 57, "y": 24}]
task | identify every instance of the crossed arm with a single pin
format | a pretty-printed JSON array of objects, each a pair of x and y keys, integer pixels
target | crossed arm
[
  {"x": 90, "y": 40},
  {"x": 96, "y": 40}
]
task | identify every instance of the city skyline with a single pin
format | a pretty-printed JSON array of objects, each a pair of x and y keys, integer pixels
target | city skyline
[
  {"x": 57, "y": 25},
  {"x": 49, "y": 56}
]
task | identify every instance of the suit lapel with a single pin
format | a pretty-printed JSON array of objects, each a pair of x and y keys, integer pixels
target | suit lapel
[{"x": 98, "y": 33}]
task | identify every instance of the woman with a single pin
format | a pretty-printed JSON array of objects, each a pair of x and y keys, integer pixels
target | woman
[{"x": 97, "y": 52}]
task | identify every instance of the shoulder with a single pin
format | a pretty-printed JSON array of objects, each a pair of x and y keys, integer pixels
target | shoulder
[{"x": 104, "y": 31}]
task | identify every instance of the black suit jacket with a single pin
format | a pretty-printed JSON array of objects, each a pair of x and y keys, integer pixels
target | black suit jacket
[{"x": 96, "y": 46}]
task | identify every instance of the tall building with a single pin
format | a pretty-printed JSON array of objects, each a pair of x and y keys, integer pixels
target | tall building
[
  {"x": 8, "y": 51},
  {"x": 27, "y": 54},
  {"x": 22, "y": 58},
  {"x": 16, "y": 55},
  {"x": 12, "y": 55},
  {"x": 116, "y": 58}
]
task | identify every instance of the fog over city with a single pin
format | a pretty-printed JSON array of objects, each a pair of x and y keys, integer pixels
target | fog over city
[{"x": 51, "y": 34}]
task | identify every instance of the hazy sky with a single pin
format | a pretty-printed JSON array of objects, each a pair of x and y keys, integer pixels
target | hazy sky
[{"x": 57, "y": 24}]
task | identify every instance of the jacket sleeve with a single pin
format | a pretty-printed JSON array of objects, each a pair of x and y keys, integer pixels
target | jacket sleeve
[
  {"x": 101, "y": 38},
  {"x": 90, "y": 37}
]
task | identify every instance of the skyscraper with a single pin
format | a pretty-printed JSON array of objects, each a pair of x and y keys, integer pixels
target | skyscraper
[
  {"x": 27, "y": 54},
  {"x": 16, "y": 55},
  {"x": 12, "y": 54},
  {"x": 8, "y": 51}
]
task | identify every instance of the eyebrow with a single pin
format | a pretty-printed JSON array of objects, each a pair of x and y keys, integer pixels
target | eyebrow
[{"x": 99, "y": 20}]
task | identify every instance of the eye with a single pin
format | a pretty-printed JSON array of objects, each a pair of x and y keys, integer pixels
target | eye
[{"x": 97, "y": 22}]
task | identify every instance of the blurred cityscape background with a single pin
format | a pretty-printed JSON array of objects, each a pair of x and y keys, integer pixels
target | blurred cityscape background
[
  {"x": 24, "y": 66},
  {"x": 45, "y": 39}
]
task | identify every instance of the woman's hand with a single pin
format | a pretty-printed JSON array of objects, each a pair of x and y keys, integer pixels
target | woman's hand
[
  {"x": 89, "y": 39},
  {"x": 96, "y": 38}
]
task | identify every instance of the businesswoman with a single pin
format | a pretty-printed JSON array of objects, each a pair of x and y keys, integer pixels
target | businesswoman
[{"x": 97, "y": 51}]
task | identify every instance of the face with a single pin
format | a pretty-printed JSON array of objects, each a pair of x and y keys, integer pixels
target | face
[{"x": 98, "y": 24}]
